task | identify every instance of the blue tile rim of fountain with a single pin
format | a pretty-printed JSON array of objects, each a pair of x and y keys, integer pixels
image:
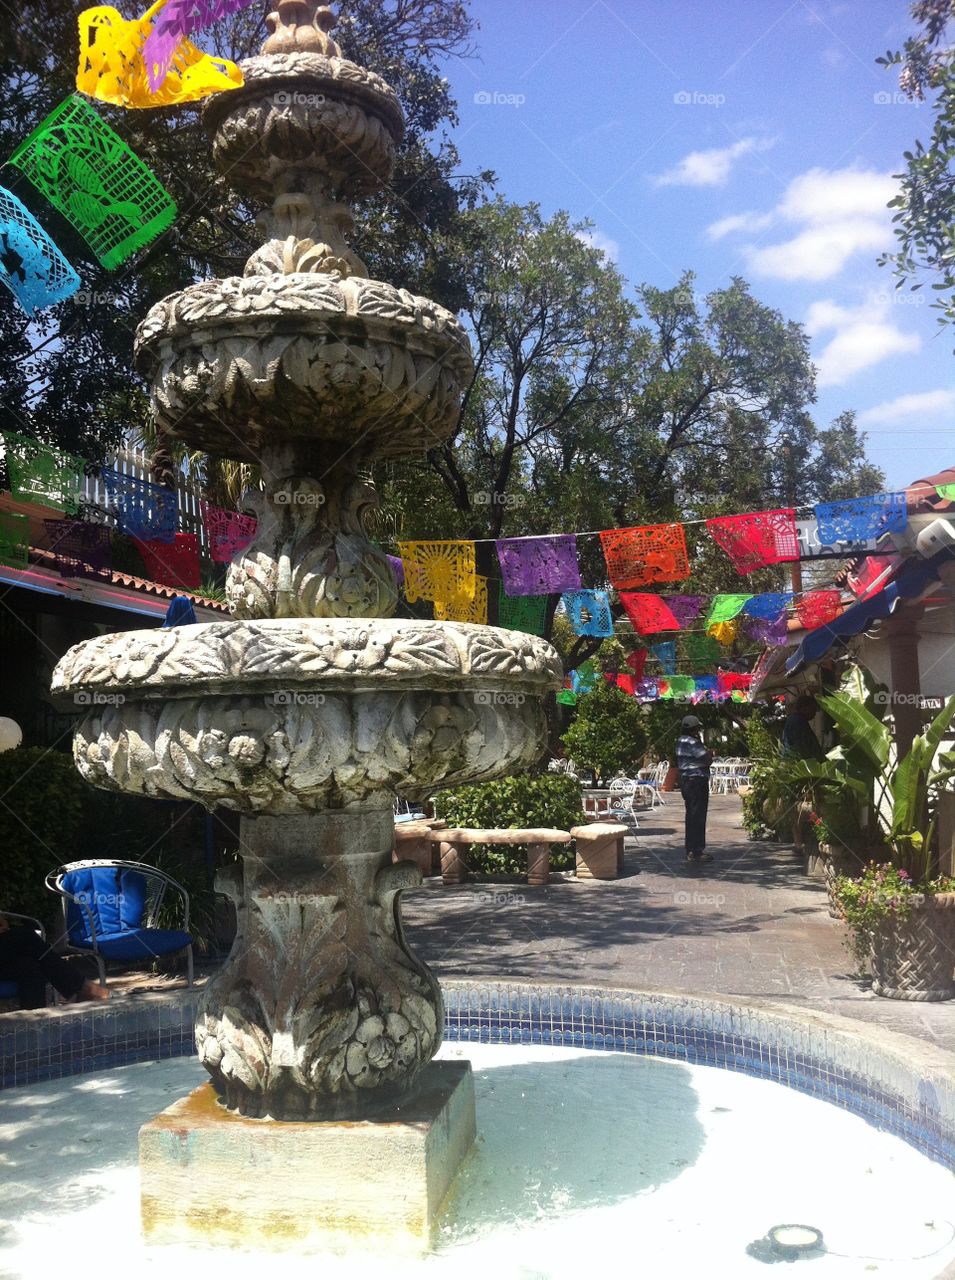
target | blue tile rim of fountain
[{"x": 896, "y": 1083}]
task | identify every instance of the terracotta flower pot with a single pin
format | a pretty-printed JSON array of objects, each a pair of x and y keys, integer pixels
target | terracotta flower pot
[{"x": 914, "y": 959}]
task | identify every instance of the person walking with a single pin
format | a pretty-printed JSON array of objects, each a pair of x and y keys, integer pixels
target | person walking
[{"x": 693, "y": 767}]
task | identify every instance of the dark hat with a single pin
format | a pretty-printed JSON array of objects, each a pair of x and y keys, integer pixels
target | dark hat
[{"x": 691, "y": 722}]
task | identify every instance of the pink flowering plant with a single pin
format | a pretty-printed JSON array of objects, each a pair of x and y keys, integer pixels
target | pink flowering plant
[{"x": 883, "y": 894}]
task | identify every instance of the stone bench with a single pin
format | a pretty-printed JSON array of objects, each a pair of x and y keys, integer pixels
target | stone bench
[
  {"x": 455, "y": 840},
  {"x": 599, "y": 848},
  {"x": 413, "y": 843}
]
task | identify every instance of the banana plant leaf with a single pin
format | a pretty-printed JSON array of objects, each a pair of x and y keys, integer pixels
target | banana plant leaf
[
  {"x": 828, "y": 773},
  {"x": 908, "y": 795},
  {"x": 861, "y": 733},
  {"x": 932, "y": 738}
]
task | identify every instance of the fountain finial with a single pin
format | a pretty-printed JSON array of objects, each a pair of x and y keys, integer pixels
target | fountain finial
[{"x": 301, "y": 26}]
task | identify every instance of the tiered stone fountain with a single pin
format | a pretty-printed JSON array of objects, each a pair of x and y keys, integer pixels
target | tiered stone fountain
[{"x": 312, "y": 707}]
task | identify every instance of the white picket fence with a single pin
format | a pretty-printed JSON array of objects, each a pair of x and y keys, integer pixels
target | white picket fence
[{"x": 130, "y": 462}]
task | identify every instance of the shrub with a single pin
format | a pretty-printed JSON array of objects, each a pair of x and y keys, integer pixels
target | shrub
[
  {"x": 608, "y": 733},
  {"x": 549, "y": 801},
  {"x": 42, "y": 809},
  {"x": 765, "y": 791}
]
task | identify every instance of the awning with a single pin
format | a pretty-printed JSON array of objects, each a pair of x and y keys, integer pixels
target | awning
[
  {"x": 911, "y": 583},
  {"x": 131, "y": 595}
]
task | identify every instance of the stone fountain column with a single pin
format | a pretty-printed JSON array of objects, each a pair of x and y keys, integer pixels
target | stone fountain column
[{"x": 313, "y": 707}]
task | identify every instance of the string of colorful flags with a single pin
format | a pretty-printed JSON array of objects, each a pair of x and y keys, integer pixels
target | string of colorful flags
[
  {"x": 83, "y": 168},
  {"x": 719, "y": 687},
  {"x": 445, "y": 572}
]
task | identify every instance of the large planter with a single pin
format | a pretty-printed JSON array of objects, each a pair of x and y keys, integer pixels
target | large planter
[{"x": 914, "y": 958}]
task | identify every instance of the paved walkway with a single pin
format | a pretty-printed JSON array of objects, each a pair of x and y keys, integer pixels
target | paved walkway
[{"x": 747, "y": 924}]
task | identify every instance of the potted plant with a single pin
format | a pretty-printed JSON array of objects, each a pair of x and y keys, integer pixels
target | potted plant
[
  {"x": 904, "y": 930},
  {"x": 901, "y": 914},
  {"x": 845, "y": 790}
]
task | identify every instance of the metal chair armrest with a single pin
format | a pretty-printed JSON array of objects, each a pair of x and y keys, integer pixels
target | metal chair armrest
[{"x": 18, "y": 915}]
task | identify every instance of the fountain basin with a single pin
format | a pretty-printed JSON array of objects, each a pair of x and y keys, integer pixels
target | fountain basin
[
  {"x": 293, "y": 716},
  {"x": 580, "y": 1152},
  {"x": 249, "y": 361}
]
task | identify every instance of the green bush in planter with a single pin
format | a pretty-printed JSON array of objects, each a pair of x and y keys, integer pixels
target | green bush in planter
[
  {"x": 552, "y": 800},
  {"x": 608, "y": 734}
]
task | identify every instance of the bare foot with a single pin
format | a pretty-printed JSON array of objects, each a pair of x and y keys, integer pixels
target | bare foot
[{"x": 93, "y": 991}]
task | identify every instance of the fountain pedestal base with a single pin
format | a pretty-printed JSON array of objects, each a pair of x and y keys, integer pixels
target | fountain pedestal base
[{"x": 213, "y": 1177}]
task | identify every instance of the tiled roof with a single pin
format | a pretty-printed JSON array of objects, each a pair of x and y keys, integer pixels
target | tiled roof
[
  {"x": 158, "y": 589},
  {"x": 129, "y": 581}
]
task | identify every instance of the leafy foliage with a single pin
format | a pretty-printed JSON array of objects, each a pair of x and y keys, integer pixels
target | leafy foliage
[
  {"x": 552, "y": 800},
  {"x": 925, "y": 206},
  {"x": 608, "y": 734},
  {"x": 42, "y": 810},
  {"x": 66, "y": 376},
  {"x": 764, "y": 779},
  {"x": 901, "y": 793},
  {"x": 883, "y": 894}
]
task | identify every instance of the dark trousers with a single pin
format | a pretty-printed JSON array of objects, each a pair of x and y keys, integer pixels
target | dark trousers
[
  {"x": 28, "y": 961},
  {"x": 696, "y": 797}
]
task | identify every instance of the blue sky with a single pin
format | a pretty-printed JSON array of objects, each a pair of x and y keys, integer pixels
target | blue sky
[{"x": 731, "y": 137}]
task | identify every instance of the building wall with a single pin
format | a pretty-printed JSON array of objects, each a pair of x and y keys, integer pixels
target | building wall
[{"x": 936, "y": 654}]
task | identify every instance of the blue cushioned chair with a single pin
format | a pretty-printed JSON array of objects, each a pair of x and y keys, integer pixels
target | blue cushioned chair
[
  {"x": 10, "y": 990},
  {"x": 110, "y": 908}
]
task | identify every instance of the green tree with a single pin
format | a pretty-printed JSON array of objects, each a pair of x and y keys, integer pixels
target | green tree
[
  {"x": 924, "y": 218},
  {"x": 608, "y": 733},
  {"x": 66, "y": 376},
  {"x": 551, "y": 332}
]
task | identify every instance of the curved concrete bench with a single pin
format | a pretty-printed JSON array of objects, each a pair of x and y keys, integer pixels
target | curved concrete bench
[{"x": 454, "y": 841}]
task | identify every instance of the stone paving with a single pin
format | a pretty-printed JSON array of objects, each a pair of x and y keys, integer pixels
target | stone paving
[{"x": 749, "y": 924}]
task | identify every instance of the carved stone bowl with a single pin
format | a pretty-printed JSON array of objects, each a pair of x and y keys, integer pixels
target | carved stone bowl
[
  {"x": 305, "y": 112},
  {"x": 249, "y": 361},
  {"x": 293, "y": 716}
]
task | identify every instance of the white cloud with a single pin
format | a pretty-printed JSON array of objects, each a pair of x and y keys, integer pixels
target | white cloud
[
  {"x": 820, "y": 251},
  {"x": 835, "y": 213},
  {"x": 862, "y": 336},
  {"x": 917, "y": 404},
  {"x": 711, "y": 168},
  {"x": 597, "y": 240},
  {"x": 749, "y": 221},
  {"x": 825, "y": 195}
]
